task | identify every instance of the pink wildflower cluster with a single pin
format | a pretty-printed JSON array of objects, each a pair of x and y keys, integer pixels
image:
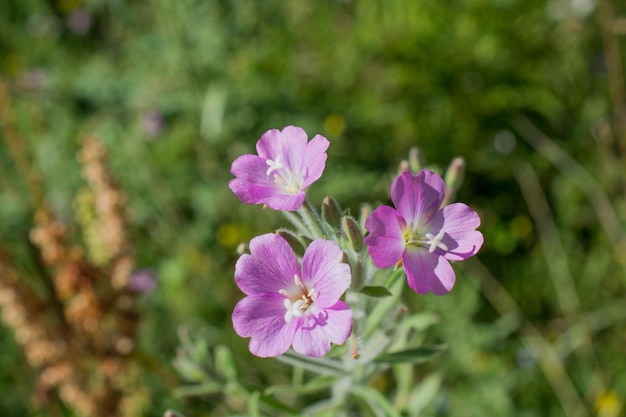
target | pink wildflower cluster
[{"x": 298, "y": 303}]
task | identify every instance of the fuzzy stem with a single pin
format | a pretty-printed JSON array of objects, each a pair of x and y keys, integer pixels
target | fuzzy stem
[
  {"x": 321, "y": 366},
  {"x": 296, "y": 222},
  {"x": 312, "y": 220}
]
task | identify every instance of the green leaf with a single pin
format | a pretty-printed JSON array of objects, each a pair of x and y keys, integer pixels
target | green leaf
[
  {"x": 198, "y": 390},
  {"x": 420, "y": 321},
  {"x": 317, "y": 384},
  {"x": 225, "y": 362},
  {"x": 277, "y": 405},
  {"x": 190, "y": 370},
  {"x": 376, "y": 291},
  {"x": 424, "y": 394},
  {"x": 377, "y": 402},
  {"x": 253, "y": 404},
  {"x": 322, "y": 366},
  {"x": 415, "y": 355}
]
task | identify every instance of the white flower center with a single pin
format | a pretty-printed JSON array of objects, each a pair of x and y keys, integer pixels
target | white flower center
[
  {"x": 298, "y": 300},
  {"x": 432, "y": 242},
  {"x": 283, "y": 176}
]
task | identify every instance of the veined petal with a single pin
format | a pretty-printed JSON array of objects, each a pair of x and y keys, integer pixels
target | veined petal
[
  {"x": 294, "y": 142},
  {"x": 427, "y": 271},
  {"x": 417, "y": 197},
  {"x": 459, "y": 222},
  {"x": 262, "y": 318},
  {"x": 277, "y": 199},
  {"x": 289, "y": 143},
  {"x": 314, "y": 159},
  {"x": 385, "y": 241},
  {"x": 249, "y": 171},
  {"x": 314, "y": 339},
  {"x": 250, "y": 167},
  {"x": 269, "y": 268},
  {"x": 270, "y": 145},
  {"x": 322, "y": 269}
]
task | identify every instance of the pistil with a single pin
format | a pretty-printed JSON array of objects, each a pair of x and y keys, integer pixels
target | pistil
[{"x": 413, "y": 237}]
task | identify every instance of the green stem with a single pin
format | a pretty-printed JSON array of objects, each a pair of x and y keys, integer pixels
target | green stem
[
  {"x": 318, "y": 365},
  {"x": 296, "y": 222},
  {"x": 312, "y": 220}
]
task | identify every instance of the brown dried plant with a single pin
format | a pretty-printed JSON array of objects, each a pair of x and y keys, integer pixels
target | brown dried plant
[{"x": 81, "y": 336}]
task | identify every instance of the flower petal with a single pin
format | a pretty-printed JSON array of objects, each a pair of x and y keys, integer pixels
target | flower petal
[
  {"x": 314, "y": 159},
  {"x": 385, "y": 241},
  {"x": 294, "y": 142},
  {"x": 289, "y": 144},
  {"x": 269, "y": 145},
  {"x": 427, "y": 271},
  {"x": 269, "y": 268},
  {"x": 296, "y": 164},
  {"x": 417, "y": 197},
  {"x": 262, "y": 318},
  {"x": 333, "y": 325},
  {"x": 459, "y": 222},
  {"x": 277, "y": 199},
  {"x": 322, "y": 269},
  {"x": 251, "y": 178},
  {"x": 253, "y": 186}
]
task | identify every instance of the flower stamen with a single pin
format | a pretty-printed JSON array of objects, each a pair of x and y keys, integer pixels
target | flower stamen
[
  {"x": 413, "y": 237},
  {"x": 274, "y": 165},
  {"x": 283, "y": 176},
  {"x": 297, "y": 304}
]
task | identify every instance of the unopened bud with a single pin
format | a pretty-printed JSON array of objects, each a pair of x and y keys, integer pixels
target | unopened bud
[
  {"x": 292, "y": 240},
  {"x": 365, "y": 212},
  {"x": 306, "y": 240},
  {"x": 453, "y": 178},
  {"x": 357, "y": 273},
  {"x": 353, "y": 232},
  {"x": 345, "y": 259},
  {"x": 331, "y": 212},
  {"x": 403, "y": 167},
  {"x": 417, "y": 161}
]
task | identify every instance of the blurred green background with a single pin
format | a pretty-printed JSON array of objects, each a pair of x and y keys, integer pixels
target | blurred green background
[{"x": 528, "y": 92}]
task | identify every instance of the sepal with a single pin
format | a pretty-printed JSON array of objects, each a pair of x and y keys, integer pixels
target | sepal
[
  {"x": 331, "y": 212},
  {"x": 353, "y": 232},
  {"x": 293, "y": 240}
]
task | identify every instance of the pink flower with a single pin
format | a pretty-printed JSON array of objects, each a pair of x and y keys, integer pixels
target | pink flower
[
  {"x": 420, "y": 234},
  {"x": 288, "y": 306},
  {"x": 286, "y": 164}
]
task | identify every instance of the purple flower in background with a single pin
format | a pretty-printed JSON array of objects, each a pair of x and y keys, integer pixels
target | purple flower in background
[
  {"x": 420, "y": 234},
  {"x": 152, "y": 123},
  {"x": 288, "y": 306},
  {"x": 286, "y": 164},
  {"x": 143, "y": 281}
]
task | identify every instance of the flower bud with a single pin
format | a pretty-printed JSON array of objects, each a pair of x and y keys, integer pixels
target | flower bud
[
  {"x": 364, "y": 213},
  {"x": 403, "y": 166},
  {"x": 417, "y": 162},
  {"x": 358, "y": 277},
  {"x": 331, "y": 212},
  {"x": 453, "y": 179},
  {"x": 306, "y": 240},
  {"x": 353, "y": 232},
  {"x": 292, "y": 240}
]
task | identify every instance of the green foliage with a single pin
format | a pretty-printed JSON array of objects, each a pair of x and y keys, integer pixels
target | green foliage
[{"x": 178, "y": 89}]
